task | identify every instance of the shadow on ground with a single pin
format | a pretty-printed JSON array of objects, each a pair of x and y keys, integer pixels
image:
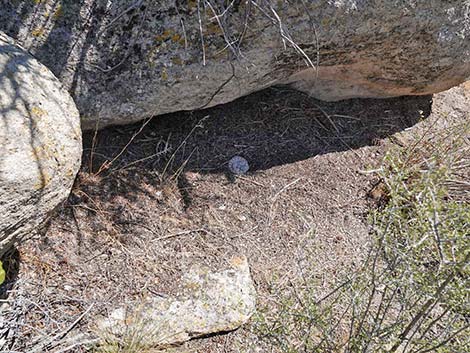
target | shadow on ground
[
  {"x": 276, "y": 126},
  {"x": 273, "y": 127},
  {"x": 11, "y": 265}
]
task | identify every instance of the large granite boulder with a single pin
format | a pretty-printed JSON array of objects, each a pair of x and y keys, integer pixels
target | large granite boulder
[
  {"x": 40, "y": 143},
  {"x": 124, "y": 60}
]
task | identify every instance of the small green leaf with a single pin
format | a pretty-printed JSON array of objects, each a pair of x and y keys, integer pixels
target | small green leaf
[{"x": 2, "y": 273}]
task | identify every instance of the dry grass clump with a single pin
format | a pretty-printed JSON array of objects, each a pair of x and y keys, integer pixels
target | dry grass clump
[{"x": 138, "y": 332}]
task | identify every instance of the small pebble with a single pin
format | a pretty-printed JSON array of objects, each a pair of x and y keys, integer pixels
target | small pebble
[{"x": 238, "y": 165}]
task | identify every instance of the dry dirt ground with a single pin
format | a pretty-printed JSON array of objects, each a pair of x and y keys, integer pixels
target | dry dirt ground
[{"x": 155, "y": 198}]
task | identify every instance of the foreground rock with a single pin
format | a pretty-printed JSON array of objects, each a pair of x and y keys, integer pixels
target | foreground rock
[
  {"x": 40, "y": 143},
  {"x": 124, "y": 60},
  {"x": 210, "y": 303}
]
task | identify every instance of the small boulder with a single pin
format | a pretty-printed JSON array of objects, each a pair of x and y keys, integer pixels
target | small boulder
[
  {"x": 40, "y": 143},
  {"x": 238, "y": 165},
  {"x": 209, "y": 303}
]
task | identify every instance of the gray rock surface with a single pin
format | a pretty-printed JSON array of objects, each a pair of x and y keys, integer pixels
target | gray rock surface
[
  {"x": 40, "y": 143},
  {"x": 124, "y": 60},
  {"x": 209, "y": 303}
]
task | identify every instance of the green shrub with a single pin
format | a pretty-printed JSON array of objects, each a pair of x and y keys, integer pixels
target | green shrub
[{"x": 412, "y": 293}]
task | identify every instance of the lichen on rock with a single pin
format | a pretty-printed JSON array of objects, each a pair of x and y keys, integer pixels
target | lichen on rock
[
  {"x": 40, "y": 143},
  {"x": 208, "y": 303},
  {"x": 127, "y": 60}
]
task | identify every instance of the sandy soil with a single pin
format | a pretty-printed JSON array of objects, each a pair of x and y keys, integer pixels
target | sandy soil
[{"x": 155, "y": 198}]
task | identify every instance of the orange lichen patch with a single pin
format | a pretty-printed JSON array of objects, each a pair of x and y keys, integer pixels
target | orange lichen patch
[
  {"x": 38, "y": 32},
  {"x": 176, "y": 37},
  {"x": 169, "y": 34},
  {"x": 41, "y": 153},
  {"x": 239, "y": 261},
  {"x": 466, "y": 88},
  {"x": 177, "y": 61},
  {"x": 38, "y": 112},
  {"x": 213, "y": 28},
  {"x": 45, "y": 180},
  {"x": 192, "y": 4},
  {"x": 58, "y": 12},
  {"x": 164, "y": 36},
  {"x": 164, "y": 74},
  {"x": 221, "y": 54},
  {"x": 326, "y": 21},
  {"x": 193, "y": 286},
  {"x": 70, "y": 173}
]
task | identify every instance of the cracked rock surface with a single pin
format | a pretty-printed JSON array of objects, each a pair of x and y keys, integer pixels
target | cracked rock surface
[
  {"x": 208, "y": 303},
  {"x": 125, "y": 60}
]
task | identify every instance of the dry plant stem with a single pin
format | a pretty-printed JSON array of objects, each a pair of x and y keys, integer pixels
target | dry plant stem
[
  {"x": 371, "y": 295},
  {"x": 285, "y": 36},
  {"x": 332, "y": 329},
  {"x": 181, "y": 233},
  {"x": 157, "y": 154},
  {"x": 127, "y": 53},
  {"x": 427, "y": 305},
  {"x": 136, "y": 4},
  {"x": 182, "y": 144},
  {"x": 56, "y": 340},
  {"x": 317, "y": 42},
  {"x": 93, "y": 145},
  {"x": 428, "y": 327},
  {"x": 410, "y": 151},
  {"x": 107, "y": 164},
  {"x": 455, "y": 334},
  {"x": 224, "y": 12},
  {"x": 217, "y": 18},
  {"x": 77, "y": 344},
  {"x": 201, "y": 32},
  {"x": 378, "y": 315},
  {"x": 245, "y": 26}
]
